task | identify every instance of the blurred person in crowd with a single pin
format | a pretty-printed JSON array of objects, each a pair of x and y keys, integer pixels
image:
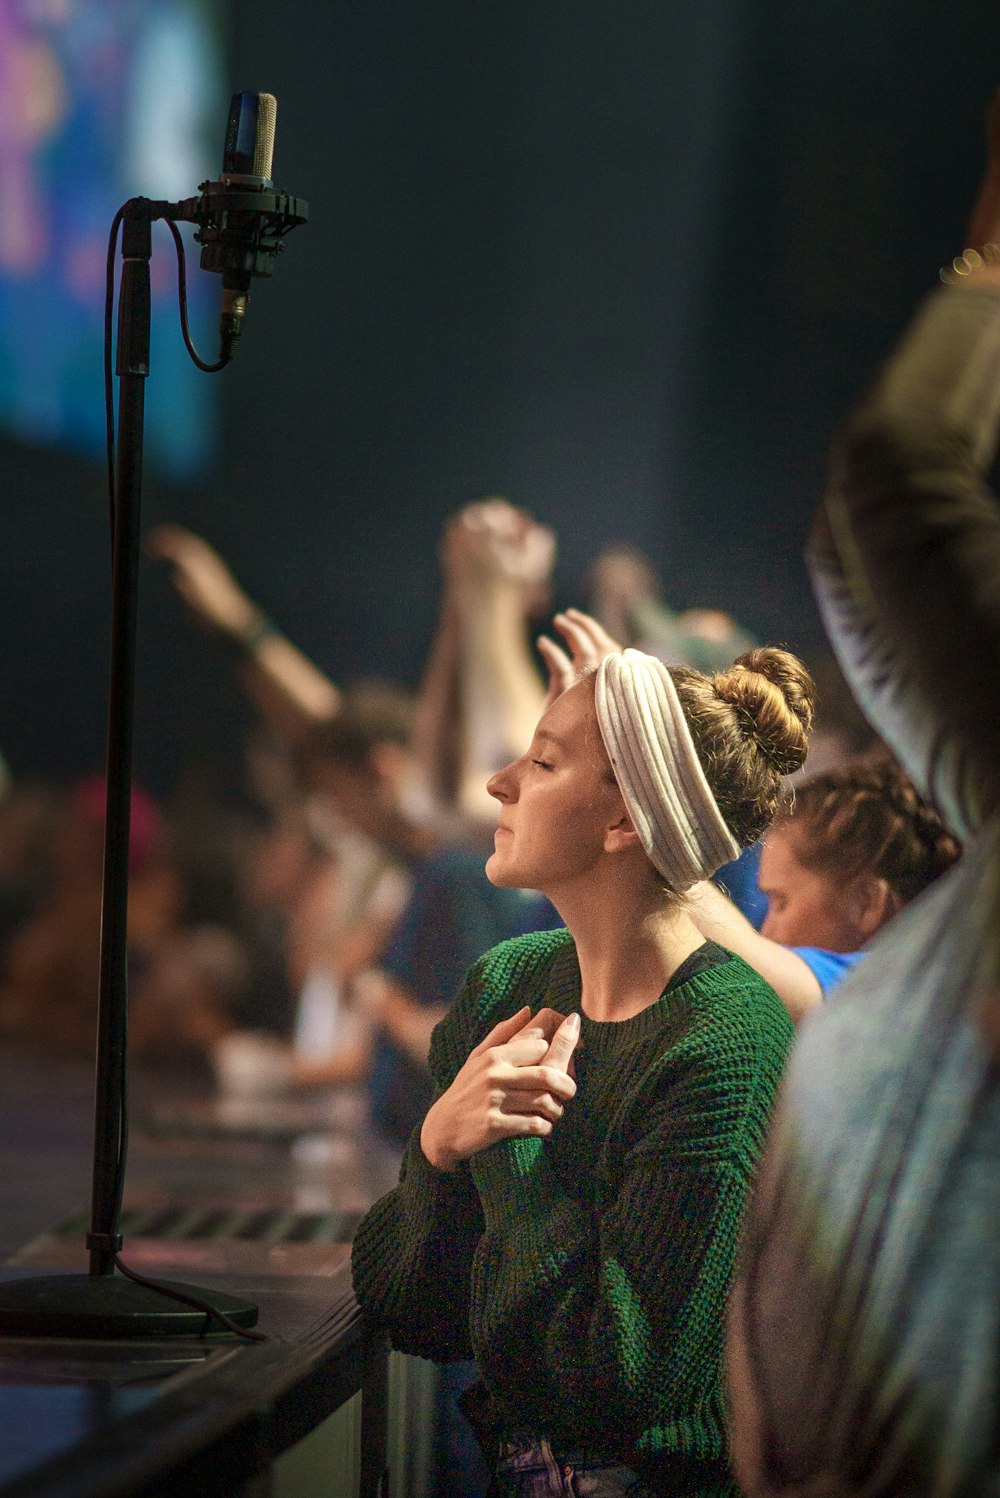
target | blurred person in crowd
[
  {"x": 49, "y": 983},
  {"x": 327, "y": 876},
  {"x": 847, "y": 850},
  {"x": 187, "y": 997},
  {"x": 577, "y": 1236},
  {"x": 257, "y": 914},
  {"x": 625, "y": 595},
  {"x": 30, "y": 814},
  {"x": 864, "y": 1344}
]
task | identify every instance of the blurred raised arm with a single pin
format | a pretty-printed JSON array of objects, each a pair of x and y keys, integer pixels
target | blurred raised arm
[
  {"x": 290, "y": 692},
  {"x": 499, "y": 560}
]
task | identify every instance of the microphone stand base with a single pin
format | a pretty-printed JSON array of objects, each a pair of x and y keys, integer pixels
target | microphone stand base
[{"x": 101, "y": 1307}]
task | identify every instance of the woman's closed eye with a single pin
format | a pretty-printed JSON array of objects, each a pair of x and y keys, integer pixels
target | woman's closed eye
[{"x": 543, "y": 764}]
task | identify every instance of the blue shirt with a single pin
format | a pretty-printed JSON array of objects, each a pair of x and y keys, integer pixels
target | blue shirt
[{"x": 829, "y": 967}]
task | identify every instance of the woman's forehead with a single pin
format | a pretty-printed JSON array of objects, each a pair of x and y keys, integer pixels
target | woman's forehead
[
  {"x": 570, "y": 713},
  {"x": 779, "y": 855}
]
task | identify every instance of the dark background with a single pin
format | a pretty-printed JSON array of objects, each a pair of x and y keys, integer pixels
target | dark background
[{"x": 627, "y": 264}]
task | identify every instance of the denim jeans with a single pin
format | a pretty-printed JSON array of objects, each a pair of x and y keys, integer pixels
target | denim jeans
[{"x": 529, "y": 1468}]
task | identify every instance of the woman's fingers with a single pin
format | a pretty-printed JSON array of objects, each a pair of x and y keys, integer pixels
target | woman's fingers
[
  {"x": 548, "y": 1021},
  {"x": 523, "y": 1065},
  {"x": 562, "y": 672},
  {"x": 563, "y": 1043},
  {"x": 539, "y": 1077},
  {"x": 526, "y": 1049},
  {"x": 525, "y": 1103},
  {"x": 508, "y": 1125},
  {"x": 504, "y": 1031},
  {"x": 594, "y": 631},
  {"x": 588, "y": 640}
]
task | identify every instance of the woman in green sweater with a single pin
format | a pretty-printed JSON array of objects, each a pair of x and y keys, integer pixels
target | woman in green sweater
[{"x": 567, "y": 1214}]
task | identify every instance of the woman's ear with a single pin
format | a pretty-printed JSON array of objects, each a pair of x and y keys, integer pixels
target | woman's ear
[
  {"x": 621, "y": 835},
  {"x": 872, "y": 903}
]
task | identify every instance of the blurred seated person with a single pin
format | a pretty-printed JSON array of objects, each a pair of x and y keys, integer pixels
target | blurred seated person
[
  {"x": 359, "y": 762},
  {"x": 292, "y": 887},
  {"x": 187, "y": 998},
  {"x": 845, "y": 852},
  {"x": 51, "y": 971}
]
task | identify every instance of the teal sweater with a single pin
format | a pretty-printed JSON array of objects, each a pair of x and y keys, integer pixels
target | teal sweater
[{"x": 587, "y": 1273}]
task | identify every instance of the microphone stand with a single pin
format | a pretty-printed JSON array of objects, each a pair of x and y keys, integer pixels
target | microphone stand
[{"x": 103, "y": 1303}]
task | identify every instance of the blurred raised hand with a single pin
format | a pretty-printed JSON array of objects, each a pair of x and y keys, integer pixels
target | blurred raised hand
[{"x": 493, "y": 542}]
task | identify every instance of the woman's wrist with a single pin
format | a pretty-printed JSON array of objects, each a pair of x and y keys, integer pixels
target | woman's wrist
[
  {"x": 435, "y": 1152},
  {"x": 249, "y": 637}
]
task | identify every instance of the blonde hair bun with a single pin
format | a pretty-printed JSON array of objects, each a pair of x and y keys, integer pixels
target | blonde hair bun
[
  {"x": 750, "y": 726},
  {"x": 774, "y": 697}
]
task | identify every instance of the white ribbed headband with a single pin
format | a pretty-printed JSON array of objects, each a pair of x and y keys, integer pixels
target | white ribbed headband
[{"x": 657, "y": 769}]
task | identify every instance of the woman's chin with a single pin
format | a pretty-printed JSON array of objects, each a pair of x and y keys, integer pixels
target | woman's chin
[{"x": 497, "y": 873}]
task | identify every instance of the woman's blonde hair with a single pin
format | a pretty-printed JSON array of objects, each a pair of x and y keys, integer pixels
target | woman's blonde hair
[{"x": 750, "y": 726}]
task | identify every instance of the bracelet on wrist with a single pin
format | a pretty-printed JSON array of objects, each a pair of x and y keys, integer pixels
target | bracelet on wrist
[
  {"x": 249, "y": 640},
  {"x": 969, "y": 262}
]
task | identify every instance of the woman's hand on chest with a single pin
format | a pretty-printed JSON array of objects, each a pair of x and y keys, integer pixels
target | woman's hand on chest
[{"x": 514, "y": 1084}]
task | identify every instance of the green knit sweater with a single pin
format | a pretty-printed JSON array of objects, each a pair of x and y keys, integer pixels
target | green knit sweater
[{"x": 587, "y": 1273}]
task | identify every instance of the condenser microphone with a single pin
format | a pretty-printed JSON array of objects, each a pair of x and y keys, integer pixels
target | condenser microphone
[
  {"x": 246, "y": 163},
  {"x": 241, "y": 218},
  {"x": 249, "y": 148}
]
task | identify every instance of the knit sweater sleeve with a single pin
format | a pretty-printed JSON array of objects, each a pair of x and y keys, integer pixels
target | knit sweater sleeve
[
  {"x": 606, "y": 1296},
  {"x": 412, "y": 1255}
]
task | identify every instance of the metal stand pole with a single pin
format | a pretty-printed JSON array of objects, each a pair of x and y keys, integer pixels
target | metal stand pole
[{"x": 102, "y": 1303}]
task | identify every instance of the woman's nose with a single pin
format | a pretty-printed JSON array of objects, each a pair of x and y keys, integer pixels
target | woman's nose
[{"x": 500, "y": 784}]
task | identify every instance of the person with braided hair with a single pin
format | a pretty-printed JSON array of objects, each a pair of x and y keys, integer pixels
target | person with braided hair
[
  {"x": 568, "y": 1211},
  {"x": 846, "y": 851}
]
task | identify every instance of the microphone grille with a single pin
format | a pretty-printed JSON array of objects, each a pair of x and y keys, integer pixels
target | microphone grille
[{"x": 263, "y": 153}]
